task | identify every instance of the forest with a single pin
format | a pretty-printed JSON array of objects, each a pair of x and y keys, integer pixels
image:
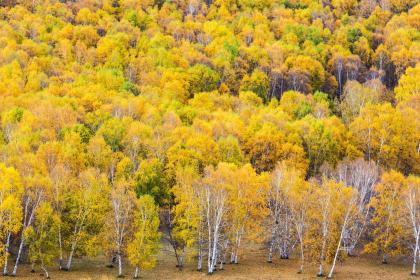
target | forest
[{"x": 211, "y": 126}]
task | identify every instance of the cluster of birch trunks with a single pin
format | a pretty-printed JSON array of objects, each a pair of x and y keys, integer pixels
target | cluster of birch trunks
[
  {"x": 348, "y": 210},
  {"x": 217, "y": 217}
]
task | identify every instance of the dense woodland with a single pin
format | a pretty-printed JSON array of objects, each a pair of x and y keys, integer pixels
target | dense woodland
[{"x": 212, "y": 126}]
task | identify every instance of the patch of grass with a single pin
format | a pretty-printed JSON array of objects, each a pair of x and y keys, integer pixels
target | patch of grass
[{"x": 253, "y": 266}]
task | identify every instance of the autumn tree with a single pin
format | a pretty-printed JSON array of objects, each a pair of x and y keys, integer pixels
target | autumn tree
[
  {"x": 411, "y": 216},
  {"x": 10, "y": 210},
  {"x": 188, "y": 214},
  {"x": 388, "y": 203},
  {"x": 88, "y": 204},
  {"x": 41, "y": 238},
  {"x": 361, "y": 176},
  {"x": 144, "y": 245}
]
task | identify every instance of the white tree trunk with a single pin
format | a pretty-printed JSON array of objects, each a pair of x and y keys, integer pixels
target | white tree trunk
[
  {"x": 46, "y": 274},
  {"x": 321, "y": 259},
  {"x": 214, "y": 248},
  {"x": 200, "y": 256},
  {"x": 136, "y": 273},
  {"x": 60, "y": 248},
  {"x": 236, "y": 259},
  {"x": 5, "y": 269},
  {"x": 73, "y": 247},
  {"x": 270, "y": 251},
  {"x": 26, "y": 223},
  {"x": 302, "y": 257},
  {"x": 119, "y": 265},
  {"x": 339, "y": 245},
  {"x": 18, "y": 256},
  {"x": 209, "y": 266},
  {"x": 209, "y": 254},
  {"x": 416, "y": 247}
]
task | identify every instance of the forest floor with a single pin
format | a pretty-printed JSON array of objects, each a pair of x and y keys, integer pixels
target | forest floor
[{"x": 252, "y": 267}]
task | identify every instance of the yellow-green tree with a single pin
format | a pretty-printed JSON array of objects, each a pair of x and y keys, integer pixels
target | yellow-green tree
[
  {"x": 42, "y": 238},
  {"x": 247, "y": 200},
  {"x": 143, "y": 247},
  {"x": 388, "y": 205},
  {"x": 188, "y": 216},
  {"x": 388, "y": 136},
  {"x": 11, "y": 190},
  {"x": 300, "y": 197},
  {"x": 88, "y": 204},
  {"x": 411, "y": 217}
]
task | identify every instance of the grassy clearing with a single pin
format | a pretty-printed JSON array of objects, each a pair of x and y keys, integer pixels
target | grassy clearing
[{"x": 252, "y": 267}]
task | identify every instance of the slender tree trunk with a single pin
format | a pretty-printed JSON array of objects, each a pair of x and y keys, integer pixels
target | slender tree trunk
[
  {"x": 321, "y": 271},
  {"x": 73, "y": 247},
  {"x": 214, "y": 253},
  {"x": 270, "y": 251},
  {"x": 181, "y": 260},
  {"x": 233, "y": 253},
  {"x": 413, "y": 271},
  {"x": 210, "y": 244},
  {"x": 209, "y": 267},
  {"x": 321, "y": 259},
  {"x": 119, "y": 265},
  {"x": 215, "y": 258},
  {"x": 350, "y": 251},
  {"x": 47, "y": 276},
  {"x": 22, "y": 236},
  {"x": 5, "y": 269},
  {"x": 18, "y": 255},
  {"x": 200, "y": 255},
  {"x": 236, "y": 260},
  {"x": 418, "y": 254},
  {"x": 302, "y": 257},
  {"x": 384, "y": 258},
  {"x": 284, "y": 244},
  {"x": 136, "y": 272},
  {"x": 60, "y": 248},
  {"x": 221, "y": 263},
  {"x": 285, "y": 250},
  {"x": 179, "y": 263},
  {"x": 338, "y": 247},
  {"x": 272, "y": 241},
  {"x": 26, "y": 223}
]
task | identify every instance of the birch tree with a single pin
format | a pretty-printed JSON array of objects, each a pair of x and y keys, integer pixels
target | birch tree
[
  {"x": 122, "y": 203},
  {"x": 279, "y": 207},
  {"x": 35, "y": 188},
  {"x": 144, "y": 245},
  {"x": 41, "y": 237},
  {"x": 323, "y": 221},
  {"x": 215, "y": 194},
  {"x": 61, "y": 183},
  {"x": 300, "y": 201},
  {"x": 10, "y": 211},
  {"x": 412, "y": 219},
  {"x": 360, "y": 175},
  {"x": 188, "y": 212},
  {"x": 247, "y": 197},
  {"x": 88, "y": 203},
  {"x": 388, "y": 204},
  {"x": 275, "y": 203},
  {"x": 346, "y": 200}
]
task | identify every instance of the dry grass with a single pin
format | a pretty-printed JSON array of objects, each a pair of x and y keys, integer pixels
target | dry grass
[{"x": 252, "y": 267}]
